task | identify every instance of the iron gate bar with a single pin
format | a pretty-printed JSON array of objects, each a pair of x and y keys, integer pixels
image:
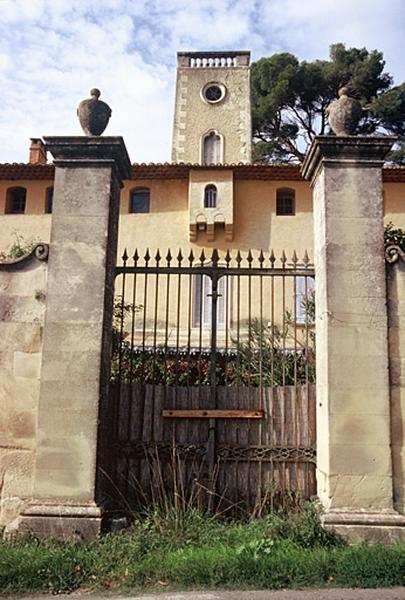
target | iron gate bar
[
  {"x": 252, "y": 355},
  {"x": 222, "y": 270}
]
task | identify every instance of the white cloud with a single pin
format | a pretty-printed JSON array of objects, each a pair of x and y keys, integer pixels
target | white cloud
[{"x": 52, "y": 52}]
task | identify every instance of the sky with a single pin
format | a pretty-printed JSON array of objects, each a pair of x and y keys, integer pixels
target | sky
[{"x": 52, "y": 52}]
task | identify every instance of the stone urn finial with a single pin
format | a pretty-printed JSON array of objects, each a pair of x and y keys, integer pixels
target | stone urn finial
[
  {"x": 93, "y": 114},
  {"x": 344, "y": 114}
]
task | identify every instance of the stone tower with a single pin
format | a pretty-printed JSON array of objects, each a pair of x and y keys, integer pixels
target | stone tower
[{"x": 212, "y": 120}]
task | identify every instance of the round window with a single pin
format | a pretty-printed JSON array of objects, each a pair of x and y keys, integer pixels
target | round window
[{"x": 213, "y": 92}]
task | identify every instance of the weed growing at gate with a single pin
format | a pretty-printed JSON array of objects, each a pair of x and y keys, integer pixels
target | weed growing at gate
[
  {"x": 172, "y": 550},
  {"x": 269, "y": 355},
  {"x": 19, "y": 247}
]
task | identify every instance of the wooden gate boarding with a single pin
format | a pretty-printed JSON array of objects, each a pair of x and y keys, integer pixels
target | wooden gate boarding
[{"x": 212, "y": 385}]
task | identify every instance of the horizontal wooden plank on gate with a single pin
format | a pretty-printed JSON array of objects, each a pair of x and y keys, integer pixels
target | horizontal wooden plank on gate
[{"x": 213, "y": 414}]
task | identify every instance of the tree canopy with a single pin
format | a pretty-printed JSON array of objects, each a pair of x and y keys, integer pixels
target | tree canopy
[{"x": 289, "y": 99}]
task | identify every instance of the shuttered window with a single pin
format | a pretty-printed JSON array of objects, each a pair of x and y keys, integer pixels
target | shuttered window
[
  {"x": 304, "y": 290},
  {"x": 212, "y": 148},
  {"x": 203, "y": 302}
]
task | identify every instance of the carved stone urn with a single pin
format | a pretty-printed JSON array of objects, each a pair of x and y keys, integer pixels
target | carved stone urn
[
  {"x": 93, "y": 114},
  {"x": 344, "y": 114}
]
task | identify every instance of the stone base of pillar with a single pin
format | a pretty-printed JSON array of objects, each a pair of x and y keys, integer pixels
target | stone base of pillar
[
  {"x": 79, "y": 522},
  {"x": 356, "y": 527}
]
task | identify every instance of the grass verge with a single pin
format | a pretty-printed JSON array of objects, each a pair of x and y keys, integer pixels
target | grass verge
[{"x": 189, "y": 550}]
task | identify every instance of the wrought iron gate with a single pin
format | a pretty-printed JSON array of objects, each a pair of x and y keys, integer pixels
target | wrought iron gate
[{"x": 212, "y": 394}]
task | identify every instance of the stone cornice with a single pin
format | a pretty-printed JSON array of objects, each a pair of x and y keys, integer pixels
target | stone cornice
[
  {"x": 90, "y": 151},
  {"x": 348, "y": 151}
]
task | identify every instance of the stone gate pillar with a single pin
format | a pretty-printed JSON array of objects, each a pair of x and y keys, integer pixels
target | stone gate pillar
[
  {"x": 77, "y": 330},
  {"x": 354, "y": 462}
]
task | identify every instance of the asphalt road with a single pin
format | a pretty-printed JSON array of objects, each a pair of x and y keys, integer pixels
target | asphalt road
[{"x": 331, "y": 594}]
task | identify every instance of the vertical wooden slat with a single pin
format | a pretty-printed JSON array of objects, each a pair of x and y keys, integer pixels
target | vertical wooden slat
[{"x": 289, "y": 422}]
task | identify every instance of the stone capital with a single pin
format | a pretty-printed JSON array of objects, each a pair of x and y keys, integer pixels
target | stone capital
[
  {"x": 90, "y": 151},
  {"x": 349, "y": 151}
]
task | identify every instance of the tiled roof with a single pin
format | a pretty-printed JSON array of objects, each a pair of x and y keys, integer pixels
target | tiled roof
[
  {"x": 12, "y": 171},
  {"x": 27, "y": 171},
  {"x": 394, "y": 174},
  {"x": 241, "y": 171}
]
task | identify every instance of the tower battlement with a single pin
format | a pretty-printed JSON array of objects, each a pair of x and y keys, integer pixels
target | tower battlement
[{"x": 211, "y": 60}]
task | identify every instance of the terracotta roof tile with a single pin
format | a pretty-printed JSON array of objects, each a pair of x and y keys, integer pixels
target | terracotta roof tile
[
  {"x": 12, "y": 171},
  {"x": 241, "y": 171},
  {"x": 26, "y": 171},
  {"x": 394, "y": 174}
]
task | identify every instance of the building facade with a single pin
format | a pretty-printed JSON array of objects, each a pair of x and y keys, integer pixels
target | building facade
[{"x": 58, "y": 326}]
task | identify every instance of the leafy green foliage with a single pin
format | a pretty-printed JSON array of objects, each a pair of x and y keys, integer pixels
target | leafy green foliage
[
  {"x": 394, "y": 236},
  {"x": 268, "y": 355},
  {"x": 19, "y": 247},
  {"x": 160, "y": 550},
  {"x": 289, "y": 99},
  {"x": 274, "y": 355}
]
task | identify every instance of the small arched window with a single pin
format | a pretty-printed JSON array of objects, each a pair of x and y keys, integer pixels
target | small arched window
[
  {"x": 139, "y": 200},
  {"x": 210, "y": 196},
  {"x": 285, "y": 202},
  {"x": 16, "y": 200},
  {"x": 49, "y": 200},
  {"x": 212, "y": 148}
]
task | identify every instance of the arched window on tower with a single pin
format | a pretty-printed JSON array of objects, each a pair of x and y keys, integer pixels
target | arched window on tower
[
  {"x": 212, "y": 148},
  {"x": 210, "y": 196}
]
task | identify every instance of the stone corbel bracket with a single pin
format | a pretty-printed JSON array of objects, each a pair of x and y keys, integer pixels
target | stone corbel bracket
[
  {"x": 39, "y": 252},
  {"x": 394, "y": 253}
]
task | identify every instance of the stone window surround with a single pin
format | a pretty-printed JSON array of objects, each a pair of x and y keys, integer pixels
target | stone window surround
[{"x": 221, "y": 146}]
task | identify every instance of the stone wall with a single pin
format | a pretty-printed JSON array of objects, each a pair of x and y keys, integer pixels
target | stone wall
[
  {"x": 396, "y": 318},
  {"x": 22, "y": 308}
]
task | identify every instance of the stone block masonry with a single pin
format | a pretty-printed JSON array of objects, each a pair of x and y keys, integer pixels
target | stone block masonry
[
  {"x": 22, "y": 311},
  {"x": 396, "y": 322},
  {"x": 77, "y": 330},
  {"x": 354, "y": 468}
]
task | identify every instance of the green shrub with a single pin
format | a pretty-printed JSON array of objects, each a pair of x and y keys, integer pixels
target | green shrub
[
  {"x": 190, "y": 550},
  {"x": 394, "y": 236},
  {"x": 19, "y": 247}
]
